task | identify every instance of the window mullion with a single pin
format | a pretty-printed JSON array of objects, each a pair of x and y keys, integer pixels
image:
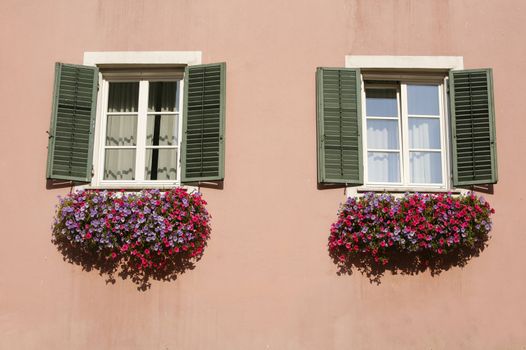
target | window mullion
[
  {"x": 141, "y": 130},
  {"x": 404, "y": 129},
  {"x": 443, "y": 135},
  {"x": 364, "y": 132},
  {"x": 179, "y": 124},
  {"x": 101, "y": 140}
]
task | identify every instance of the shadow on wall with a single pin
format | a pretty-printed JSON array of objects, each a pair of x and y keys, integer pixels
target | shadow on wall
[
  {"x": 483, "y": 188},
  {"x": 58, "y": 184},
  {"x": 406, "y": 264},
  {"x": 111, "y": 268}
]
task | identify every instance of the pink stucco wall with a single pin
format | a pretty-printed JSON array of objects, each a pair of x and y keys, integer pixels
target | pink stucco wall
[{"x": 266, "y": 280}]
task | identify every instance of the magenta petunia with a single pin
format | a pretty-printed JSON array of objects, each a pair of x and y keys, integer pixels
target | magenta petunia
[
  {"x": 159, "y": 224},
  {"x": 381, "y": 224}
]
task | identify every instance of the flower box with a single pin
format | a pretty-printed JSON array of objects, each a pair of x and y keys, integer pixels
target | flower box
[
  {"x": 380, "y": 225},
  {"x": 143, "y": 230}
]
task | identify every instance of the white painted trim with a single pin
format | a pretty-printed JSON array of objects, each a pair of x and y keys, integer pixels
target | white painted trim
[
  {"x": 136, "y": 186},
  {"x": 446, "y": 137},
  {"x": 179, "y": 105},
  {"x": 405, "y": 62},
  {"x": 140, "y": 147},
  {"x": 402, "y": 103},
  {"x": 142, "y": 115},
  {"x": 142, "y": 57}
]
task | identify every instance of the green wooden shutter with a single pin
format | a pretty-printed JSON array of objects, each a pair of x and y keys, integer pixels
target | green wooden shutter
[
  {"x": 203, "y": 146},
  {"x": 473, "y": 127},
  {"x": 70, "y": 147},
  {"x": 339, "y": 126}
]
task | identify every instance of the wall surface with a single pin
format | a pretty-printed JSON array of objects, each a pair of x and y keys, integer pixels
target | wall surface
[{"x": 266, "y": 280}]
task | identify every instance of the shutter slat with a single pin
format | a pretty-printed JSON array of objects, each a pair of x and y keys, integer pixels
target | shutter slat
[
  {"x": 203, "y": 123},
  {"x": 70, "y": 145},
  {"x": 339, "y": 126},
  {"x": 473, "y": 127}
]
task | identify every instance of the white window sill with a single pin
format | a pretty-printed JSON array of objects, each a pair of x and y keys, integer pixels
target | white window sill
[
  {"x": 407, "y": 189},
  {"x": 136, "y": 186}
]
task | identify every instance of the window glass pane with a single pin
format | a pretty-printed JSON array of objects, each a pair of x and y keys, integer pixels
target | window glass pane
[
  {"x": 383, "y": 166},
  {"x": 382, "y": 134},
  {"x": 422, "y": 99},
  {"x": 161, "y": 164},
  {"x": 121, "y": 130},
  {"x": 425, "y": 167},
  {"x": 123, "y": 97},
  {"x": 381, "y": 102},
  {"x": 119, "y": 164},
  {"x": 424, "y": 133},
  {"x": 163, "y": 96},
  {"x": 161, "y": 130}
]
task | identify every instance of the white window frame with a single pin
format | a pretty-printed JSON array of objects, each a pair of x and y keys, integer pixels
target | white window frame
[
  {"x": 140, "y": 147},
  {"x": 405, "y": 64},
  {"x": 403, "y": 132},
  {"x": 146, "y": 60}
]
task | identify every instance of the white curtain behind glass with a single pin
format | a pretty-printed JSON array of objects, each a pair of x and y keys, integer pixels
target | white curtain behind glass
[
  {"x": 383, "y": 144},
  {"x": 161, "y": 131},
  {"x": 121, "y": 130},
  {"x": 425, "y": 161},
  {"x": 166, "y": 164},
  {"x": 425, "y": 167}
]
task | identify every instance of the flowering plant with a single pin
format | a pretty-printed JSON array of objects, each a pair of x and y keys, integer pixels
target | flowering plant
[
  {"x": 143, "y": 230},
  {"x": 379, "y": 225}
]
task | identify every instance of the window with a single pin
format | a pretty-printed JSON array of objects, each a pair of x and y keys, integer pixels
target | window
[
  {"x": 140, "y": 126},
  {"x": 405, "y": 139},
  {"x": 405, "y": 123},
  {"x": 136, "y": 119}
]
